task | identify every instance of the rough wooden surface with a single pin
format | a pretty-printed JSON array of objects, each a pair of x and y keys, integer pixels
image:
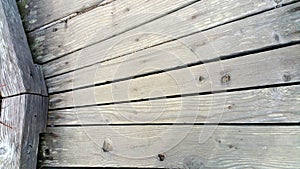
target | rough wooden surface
[
  {"x": 97, "y": 25},
  {"x": 18, "y": 73},
  {"x": 182, "y": 146},
  {"x": 185, "y": 21},
  {"x": 24, "y": 117},
  {"x": 241, "y": 72},
  {"x": 37, "y": 13},
  {"x": 270, "y": 105},
  {"x": 275, "y": 27}
]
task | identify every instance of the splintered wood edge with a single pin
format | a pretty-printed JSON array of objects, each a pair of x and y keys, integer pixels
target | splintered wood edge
[{"x": 18, "y": 72}]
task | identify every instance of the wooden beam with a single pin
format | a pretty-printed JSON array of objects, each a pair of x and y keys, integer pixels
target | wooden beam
[
  {"x": 172, "y": 146},
  {"x": 278, "y": 66},
  {"x": 269, "y": 105},
  {"x": 18, "y": 73},
  {"x": 23, "y": 118},
  {"x": 24, "y": 104},
  {"x": 38, "y": 13}
]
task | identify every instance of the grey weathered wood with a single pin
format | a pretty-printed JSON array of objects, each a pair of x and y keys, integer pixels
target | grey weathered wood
[
  {"x": 267, "y": 68},
  {"x": 37, "y": 13},
  {"x": 270, "y": 105},
  {"x": 98, "y": 24},
  {"x": 183, "y": 146},
  {"x": 23, "y": 118},
  {"x": 204, "y": 13},
  {"x": 264, "y": 30},
  {"x": 18, "y": 73}
]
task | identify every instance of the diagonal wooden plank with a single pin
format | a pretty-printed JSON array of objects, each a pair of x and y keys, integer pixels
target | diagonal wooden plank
[
  {"x": 258, "y": 32},
  {"x": 269, "y": 105},
  {"x": 37, "y": 13},
  {"x": 179, "y": 146},
  {"x": 103, "y": 22},
  {"x": 167, "y": 28},
  {"x": 273, "y": 67},
  {"x": 24, "y": 117}
]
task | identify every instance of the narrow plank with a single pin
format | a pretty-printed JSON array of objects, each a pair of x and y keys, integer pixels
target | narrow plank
[
  {"x": 18, "y": 73},
  {"x": 273, "y": 67},
  {"x": 98, "y": 24},
  {"x": 37, "y": 13},
  {"x": 23, "y": 118},
  {"x": 183, "y": 146},
  {"x": 270, "y": 105},
  {"x": 254, "y": 33}
]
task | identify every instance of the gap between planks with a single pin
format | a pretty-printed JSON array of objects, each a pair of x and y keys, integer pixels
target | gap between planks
[
  {"x": 151, "y": 34},
  {"x": 270, "y": 105},
  {"x": 279, "y": 66}
]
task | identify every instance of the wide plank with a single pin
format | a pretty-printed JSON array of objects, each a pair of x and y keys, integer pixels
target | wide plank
[
  {"x": 172, "y": 146},
  {"x": 267, "y": 68},
  {"x": 18, "y": 73},
  {"x": 37, "y": 13},
  {"x": 98, "y": 24},
  {"x": 22, "y": 119},
  {"x": 268, "y": 105}
]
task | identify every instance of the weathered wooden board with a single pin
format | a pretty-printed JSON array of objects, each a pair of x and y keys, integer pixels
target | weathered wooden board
[
  {"x": 167, "y": 28},
  {"x": 22, "y": 119},
  {"x": 270, "y": 105},
  {"x": 272, "y": 28},
  {"x": 37, "y": 13},
  {"x": 182, "y": 146},
  {"x": 98, "y": 24},
  {"x": 273, "y": 67},
  {"x": 17, "y": 73}
]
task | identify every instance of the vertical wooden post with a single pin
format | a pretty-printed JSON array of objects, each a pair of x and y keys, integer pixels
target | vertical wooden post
[{"x": 24, "y": 100}]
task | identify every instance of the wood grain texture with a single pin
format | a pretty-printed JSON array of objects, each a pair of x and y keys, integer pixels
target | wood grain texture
[
  {"x": 257, "y": 32},
  {"x": 177, "y": 24},
  {"x": 98, "y": 24},
  {"x": 273, "y": 67},
  {"x": 18, "y": 73},
  {"x": 270, "y": 105},
  {"x": 183, "y": 146},
  {"x": 25, "y": 117},
  {"x": 37, "y": 13}
]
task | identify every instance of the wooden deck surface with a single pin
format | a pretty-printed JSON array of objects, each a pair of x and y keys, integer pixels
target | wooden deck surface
[{"x": 168, "y": 84}]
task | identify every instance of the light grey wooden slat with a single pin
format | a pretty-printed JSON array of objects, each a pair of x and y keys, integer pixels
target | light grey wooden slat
[
  {"x": 273, "y": 67},
  {"x": 37, "y": 13},
  {"x": 18, "y": 73},
  {"x": 270, "y": 105},
  {"x": 249, "y": 34},
  {"x": 101, "y": 23},
  {"x": 205, "y": 15},
  {"x": 184, "y": 146},
  {"x": 23, "y": 118}
]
